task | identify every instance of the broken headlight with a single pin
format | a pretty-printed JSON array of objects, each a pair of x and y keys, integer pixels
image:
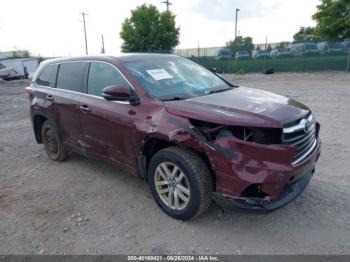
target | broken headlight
[{"x": 266, "y": 136}]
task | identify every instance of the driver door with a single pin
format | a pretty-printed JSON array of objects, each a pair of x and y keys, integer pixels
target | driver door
[{"x": 108, "y": 126}]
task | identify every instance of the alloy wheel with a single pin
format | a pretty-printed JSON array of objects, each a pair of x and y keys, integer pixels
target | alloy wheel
[{"x": 172, "y": 186}]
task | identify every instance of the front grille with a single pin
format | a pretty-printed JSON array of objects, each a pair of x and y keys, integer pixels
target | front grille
[{"x": 301, "y": 134}]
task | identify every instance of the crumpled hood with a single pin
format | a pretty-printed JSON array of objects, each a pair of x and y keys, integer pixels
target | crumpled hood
[{"x": 240, "y": 106}]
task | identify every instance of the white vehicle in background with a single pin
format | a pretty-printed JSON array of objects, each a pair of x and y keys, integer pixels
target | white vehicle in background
[
  {"x": 23, "y": 66},
  {"x": 224, "y": 54},
  {"x": 346, "y": 44},
  {"x": 242, "y": 55},
  {"x": 331, "y": 48},
  {"x": 305, "y": 49},
  {"x": 7, "y": 73},
  {"x": 261, "y": 54},
  {"x": 281, "y": 53}
]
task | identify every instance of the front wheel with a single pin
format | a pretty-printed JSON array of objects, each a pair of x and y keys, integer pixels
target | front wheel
[{"x": 180, "y": 183}]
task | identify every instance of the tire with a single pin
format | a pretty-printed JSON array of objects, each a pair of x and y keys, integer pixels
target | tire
[
  {"x": 191, "y": 174},
  {"x": 52, "y": 142}
]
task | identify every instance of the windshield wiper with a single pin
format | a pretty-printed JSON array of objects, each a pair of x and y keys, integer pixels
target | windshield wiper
[
  {"x": 218, "y": 91},
  {"x": 175, "y": 98}
]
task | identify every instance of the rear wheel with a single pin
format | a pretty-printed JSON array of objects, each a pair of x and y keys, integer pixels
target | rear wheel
[
  {"x": 52, "y": 142},
  {"x": 180, "y": 183}
]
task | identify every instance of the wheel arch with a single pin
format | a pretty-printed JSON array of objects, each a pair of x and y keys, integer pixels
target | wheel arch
[
  {"x": 38, "y": 119},
  {"x": 153, "y": 144},
  {"x": 150, "y": 146}
]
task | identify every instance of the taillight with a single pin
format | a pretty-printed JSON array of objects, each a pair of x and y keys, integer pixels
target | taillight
[{"x": 29, "y": 92}]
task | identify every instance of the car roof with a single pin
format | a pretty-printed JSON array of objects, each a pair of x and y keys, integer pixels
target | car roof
[{"x": 127, "y": 57}]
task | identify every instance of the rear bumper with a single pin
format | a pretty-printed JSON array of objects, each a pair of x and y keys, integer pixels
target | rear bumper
[{"x": 264, "y": 205}]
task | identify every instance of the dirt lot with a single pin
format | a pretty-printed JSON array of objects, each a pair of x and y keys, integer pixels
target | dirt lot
[{"x": 84, "y": 207}]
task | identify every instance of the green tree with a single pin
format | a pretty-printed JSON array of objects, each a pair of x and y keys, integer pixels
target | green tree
[
  {"x": 149, "y": 30},
  {"x": 333, "y": 19},
  {"x": 26, "y": 54},
  {"x": 306, "y": 34},
  {"x": 269, "y": 48},
  {"x": 241, "y": 44},
  {"x": 15, "y": 54}
]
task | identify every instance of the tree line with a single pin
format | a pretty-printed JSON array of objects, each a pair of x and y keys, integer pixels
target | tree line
[
  {"x": 149, "y": 30},
  {"x": 332, "y": 22}
]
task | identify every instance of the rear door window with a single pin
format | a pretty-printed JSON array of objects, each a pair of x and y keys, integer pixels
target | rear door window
[
  {"x": 102, "y": 75},
  {"x": 48, "y": 76},
  {"x": 71, "y": 76}
]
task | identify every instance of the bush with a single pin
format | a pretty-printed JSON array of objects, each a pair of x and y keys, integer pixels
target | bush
[{"x": 240, "y": 71}]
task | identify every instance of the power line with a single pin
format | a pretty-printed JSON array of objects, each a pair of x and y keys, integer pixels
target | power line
[
  {"x": 86, "y": 45},
  {"x": 168, "y": 4}
]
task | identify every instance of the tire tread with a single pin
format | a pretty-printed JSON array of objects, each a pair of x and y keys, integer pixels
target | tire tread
[{"x": 201, "y": 173}]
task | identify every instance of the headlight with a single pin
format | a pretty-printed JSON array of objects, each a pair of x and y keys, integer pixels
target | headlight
[{"x": 266, "y": 136}]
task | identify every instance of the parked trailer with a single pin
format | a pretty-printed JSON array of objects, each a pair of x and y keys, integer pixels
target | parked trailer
[{"x": 24, "y": 66}]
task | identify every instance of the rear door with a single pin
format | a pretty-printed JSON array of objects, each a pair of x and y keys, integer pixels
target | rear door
[
  {"x": 44, "y": 86},
  {"x": 108, "y": 125},
  {"x": 65, "y": 102}
]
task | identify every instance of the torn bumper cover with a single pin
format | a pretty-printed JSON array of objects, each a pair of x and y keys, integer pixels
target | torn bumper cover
[
  {"x": 291, "y": 191},
  {"x": 277, "y": 187}
]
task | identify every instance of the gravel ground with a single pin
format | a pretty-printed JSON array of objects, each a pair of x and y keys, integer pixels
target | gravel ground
[{"x": 84, "y": 207}]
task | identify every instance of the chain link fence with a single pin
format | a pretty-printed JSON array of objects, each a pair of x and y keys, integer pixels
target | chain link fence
[{"x": 278, "y": 57}]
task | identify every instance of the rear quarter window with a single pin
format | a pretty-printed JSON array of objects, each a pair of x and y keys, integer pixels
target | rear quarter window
[
  {"x": 48, "y": 76},
  {"x": 71, "y": 76}
]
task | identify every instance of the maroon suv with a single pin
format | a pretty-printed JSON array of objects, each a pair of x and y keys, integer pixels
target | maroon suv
[{"x": 189, "y": 133}]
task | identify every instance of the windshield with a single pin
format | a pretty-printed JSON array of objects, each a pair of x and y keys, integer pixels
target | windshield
[
  {"x": 175, "y": 78},
  {"x": 311, "y": 46},
  {"x": 225, "y": 52},
  {"x": 335, "y": 45}
]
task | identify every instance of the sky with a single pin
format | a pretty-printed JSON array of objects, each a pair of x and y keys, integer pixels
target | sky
[{"x": 55, "y": 28}]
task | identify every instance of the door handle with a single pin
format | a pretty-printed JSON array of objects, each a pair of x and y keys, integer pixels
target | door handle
[
  {"x": 49, "y": 97},
  {"x": 85, "y": 108}
]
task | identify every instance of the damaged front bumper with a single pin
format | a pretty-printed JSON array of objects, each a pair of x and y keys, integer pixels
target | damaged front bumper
[
  {"x": 248, "y": 175},
  {"x": 291, "y": 191},
  {"x": 294, "y": 180}
]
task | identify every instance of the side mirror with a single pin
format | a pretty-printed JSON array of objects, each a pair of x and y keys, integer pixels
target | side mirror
[{"x": 120, "y": 93}]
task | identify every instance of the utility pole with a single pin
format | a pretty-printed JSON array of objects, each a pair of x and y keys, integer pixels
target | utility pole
[
  {"x": 103, "y": 45},
  {"x": 237, "y": 10},
  {"x": 199, "y": 50},
  {"x": 86, "y": 46},
  {"x": 265, "y": 55},
  {"x": 348, "y": 66},
  {"x": 167, "y": 2},
  {"x": 347, "y": 46}
]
